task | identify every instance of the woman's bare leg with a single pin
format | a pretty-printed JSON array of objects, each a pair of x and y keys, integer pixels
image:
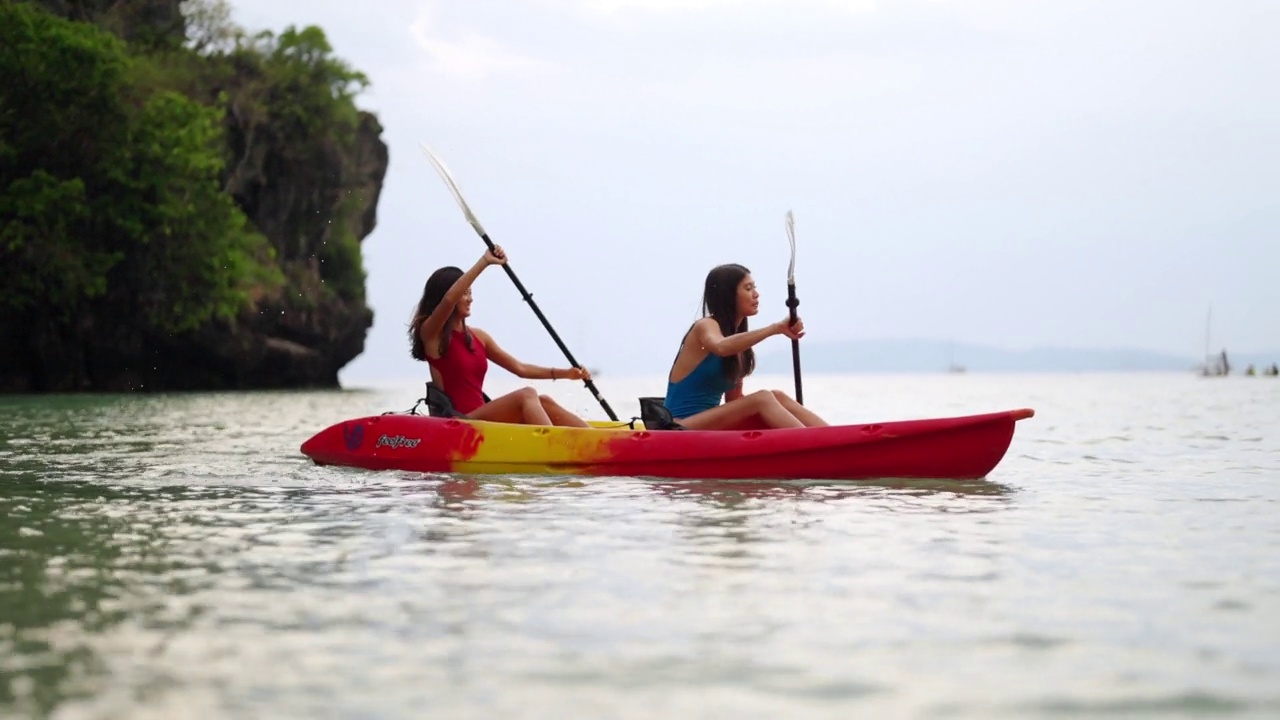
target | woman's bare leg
[
  {"x": 558, "y": 415},
  {"x": 761, "y": 402},
  {"x": 802, "y": 413},
  {"x": 520, "y": 406}
]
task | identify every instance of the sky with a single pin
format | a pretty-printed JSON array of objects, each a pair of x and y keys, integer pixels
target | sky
[{"x": 1081, "y": 173}]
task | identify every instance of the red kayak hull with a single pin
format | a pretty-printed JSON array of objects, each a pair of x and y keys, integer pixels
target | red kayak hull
[{"x": 967, "y": 447}]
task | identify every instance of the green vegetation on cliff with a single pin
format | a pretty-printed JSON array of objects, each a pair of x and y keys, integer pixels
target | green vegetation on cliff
[
  {"x": 113, "y": 165},
  {"x": 109, "y": 190},
  {"x": 164, "y": 179}
]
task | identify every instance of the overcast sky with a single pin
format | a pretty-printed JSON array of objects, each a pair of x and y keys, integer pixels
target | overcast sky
[{"x": 1080, "y": 172}]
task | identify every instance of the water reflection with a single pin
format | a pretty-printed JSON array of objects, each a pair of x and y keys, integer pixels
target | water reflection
[
  {"x": 731, "y": 492},
  {"x": 707, "y": 512},
  {"x": 727, "y": 524},
  {"x": 454, "y": 491},
  {"x": 75, "y": 559},
  {"x": 101, "y": 584}
]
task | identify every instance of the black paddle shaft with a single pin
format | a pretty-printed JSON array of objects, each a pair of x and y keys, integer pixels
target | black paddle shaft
[
  {"x": 554, "y": 336},
  {"x": 792, "y": 303}
]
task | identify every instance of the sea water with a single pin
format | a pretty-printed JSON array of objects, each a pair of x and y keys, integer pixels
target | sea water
[{"x": 175, "y": 555}]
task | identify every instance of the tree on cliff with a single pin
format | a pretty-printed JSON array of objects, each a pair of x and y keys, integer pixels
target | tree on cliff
[
  {"x": 181, "y": 205},
  {"x": 110, "y": 193}
]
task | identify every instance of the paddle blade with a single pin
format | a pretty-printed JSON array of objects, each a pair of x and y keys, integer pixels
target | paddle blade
[
  {"x": 453, "y": 188},
  {"x": 791, "y": 237}
]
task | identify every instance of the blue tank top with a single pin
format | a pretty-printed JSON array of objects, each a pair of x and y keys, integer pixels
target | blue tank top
[{"x": 702, "y": 389}]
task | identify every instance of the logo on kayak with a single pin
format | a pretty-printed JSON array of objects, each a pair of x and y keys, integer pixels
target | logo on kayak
[
  {"x": 397, "y": 441},
  {"x": 353, "y": 435}
]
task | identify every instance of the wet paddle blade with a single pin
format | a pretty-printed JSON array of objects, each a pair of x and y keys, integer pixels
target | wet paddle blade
[
  {"x": 453, "y": 188},
  {"x": 791, "y": 237}
]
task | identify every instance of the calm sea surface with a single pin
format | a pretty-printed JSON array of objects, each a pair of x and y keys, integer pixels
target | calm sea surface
[{"x": 175, "y": 556}]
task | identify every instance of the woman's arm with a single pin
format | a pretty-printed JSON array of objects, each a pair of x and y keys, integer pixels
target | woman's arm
[
  {"x": 523, "y": 370},
  {"x": 433, "y": 325},
  {"x": 709, "y": 335}
]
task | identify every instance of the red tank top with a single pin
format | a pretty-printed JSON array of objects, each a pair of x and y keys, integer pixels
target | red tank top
[{"x": 462, "y": 371}]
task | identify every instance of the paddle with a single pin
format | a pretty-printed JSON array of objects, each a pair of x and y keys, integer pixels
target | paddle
[
  {"x": 792, "y": 303},
  {"x": 471, "y": 218}
]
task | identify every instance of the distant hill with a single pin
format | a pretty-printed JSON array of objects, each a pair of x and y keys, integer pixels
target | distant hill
[{"x": 933, "y": 356}]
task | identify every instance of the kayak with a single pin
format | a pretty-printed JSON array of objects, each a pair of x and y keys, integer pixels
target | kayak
[{"x": 966, "y": 447}]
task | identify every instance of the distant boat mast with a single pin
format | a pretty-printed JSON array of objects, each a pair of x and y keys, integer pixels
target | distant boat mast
[
  {"x": 1208, "y": 322},
  {"x": 1213, "y": 367}
]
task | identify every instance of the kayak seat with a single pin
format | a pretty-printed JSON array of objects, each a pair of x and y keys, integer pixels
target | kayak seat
[
  {"x": 656, "y": 416},
  {"x": 439, "y": 404}
]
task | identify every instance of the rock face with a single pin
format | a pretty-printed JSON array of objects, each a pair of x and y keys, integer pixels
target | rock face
[
  {"x": 294, "y": 201},
  {"x": 303, "y": 200}
]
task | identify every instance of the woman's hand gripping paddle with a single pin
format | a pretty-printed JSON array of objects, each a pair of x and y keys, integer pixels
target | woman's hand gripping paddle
[{"x": 792, "y": 303}]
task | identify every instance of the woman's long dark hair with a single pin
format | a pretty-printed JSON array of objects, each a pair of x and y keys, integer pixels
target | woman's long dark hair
[
  {"x": 432, "y": 294},
  {"x": 720, "y": 301}
]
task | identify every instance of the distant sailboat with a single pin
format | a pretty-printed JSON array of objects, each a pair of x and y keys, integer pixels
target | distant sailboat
[{"x": 1214, "y": 366}]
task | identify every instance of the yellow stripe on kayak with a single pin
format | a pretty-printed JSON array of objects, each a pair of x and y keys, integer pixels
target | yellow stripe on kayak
[{"x": 512, "y": 448}]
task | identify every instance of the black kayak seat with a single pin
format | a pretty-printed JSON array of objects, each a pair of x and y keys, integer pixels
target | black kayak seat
[{"x": 439, "y": 404}]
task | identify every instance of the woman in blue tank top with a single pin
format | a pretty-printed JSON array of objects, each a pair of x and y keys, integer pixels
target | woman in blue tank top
[{"x": 716, "y": 354}]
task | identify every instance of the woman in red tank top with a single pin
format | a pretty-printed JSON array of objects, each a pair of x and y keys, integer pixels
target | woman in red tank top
[{"x": 459, "y": 354}]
